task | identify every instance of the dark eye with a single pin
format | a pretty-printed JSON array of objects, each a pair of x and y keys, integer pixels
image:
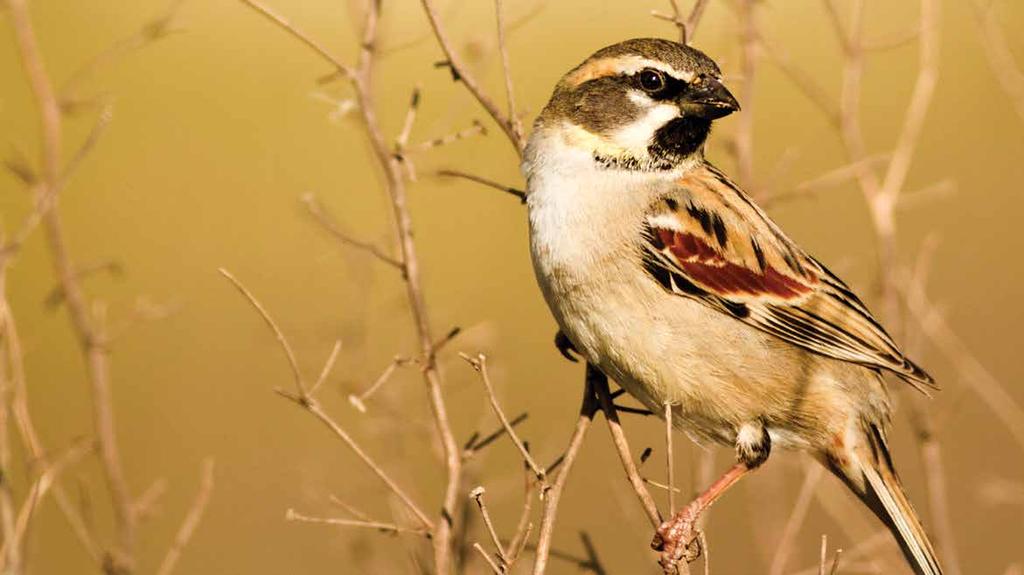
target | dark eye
[{"x": 652, "y": 80}]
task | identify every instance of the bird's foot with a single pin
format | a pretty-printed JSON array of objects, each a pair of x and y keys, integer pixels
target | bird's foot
[
  {"x": 678, "y": 539},
  {"x": 565, "y": 347}
]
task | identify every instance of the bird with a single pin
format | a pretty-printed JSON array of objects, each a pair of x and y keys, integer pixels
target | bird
[{"x": 664, "y": 275}]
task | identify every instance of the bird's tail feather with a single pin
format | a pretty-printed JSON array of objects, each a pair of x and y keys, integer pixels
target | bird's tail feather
[{"x": 880, "y": 488}]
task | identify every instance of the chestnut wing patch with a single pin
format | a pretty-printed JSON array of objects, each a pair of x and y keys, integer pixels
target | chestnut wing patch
[
  {"x": 743, "y": 266},
  {"x": 708, "y": 267}
]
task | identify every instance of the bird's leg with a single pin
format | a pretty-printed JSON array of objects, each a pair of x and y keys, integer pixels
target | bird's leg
[
  {"x": 565, "y": 347},
  {"x": 675, "y": 537}
]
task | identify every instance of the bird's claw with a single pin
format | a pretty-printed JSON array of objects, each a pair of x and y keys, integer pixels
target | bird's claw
[
  {"x": 677, "y": 540},
  {"x": 565, "y": 347}
]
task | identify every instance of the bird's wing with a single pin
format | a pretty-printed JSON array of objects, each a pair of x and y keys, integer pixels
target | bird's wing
[{"x": 706, "y": 240}]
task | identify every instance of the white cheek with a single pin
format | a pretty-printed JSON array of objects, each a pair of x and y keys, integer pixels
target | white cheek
[{"x": 638, "y": 135}]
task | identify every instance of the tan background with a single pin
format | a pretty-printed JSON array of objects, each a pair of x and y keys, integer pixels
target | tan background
[{"x": 216, "y": 135}]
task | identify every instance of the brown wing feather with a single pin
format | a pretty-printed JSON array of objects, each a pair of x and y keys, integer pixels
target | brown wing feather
[{"x": 707, "y": 240}]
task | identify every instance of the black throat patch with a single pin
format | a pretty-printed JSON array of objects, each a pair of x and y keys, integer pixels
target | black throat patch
[{"x": 679, "y": 139}]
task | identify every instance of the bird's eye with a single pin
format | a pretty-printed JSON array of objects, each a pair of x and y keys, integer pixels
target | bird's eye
[{"x": 652, "y": 80}]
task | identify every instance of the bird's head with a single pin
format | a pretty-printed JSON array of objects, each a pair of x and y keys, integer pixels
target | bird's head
[{"x": 642, "y": 104}]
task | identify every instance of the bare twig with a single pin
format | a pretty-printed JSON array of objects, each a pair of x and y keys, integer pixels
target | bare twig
[
  {"x": 476, "y": 443},
  {"x": 310, "y": 43},
  {"x": 1000, "y": 58},
  {"x": 487, "y": 557},
  {"x": 552, "y": 498},
  {"x": 478, "y": 496},
  {"x": 292, "y": 515},
  {"x": 316, "y": 210},
  {"x": 192, "y": 519},
  {"x": 669, "y": 460},
  {"x": 479, "y": 363},
  {"x": 37, "y": 492},
  {"x": 359, "y": 401},
  {"x": 484, "y": 181},
  {"x": 688, "y": 26},
  {"x": 26, "y": 428},
  {"x": 749, "y": 56},
  {"x": 278, "y": 334},
  {"x": 326, "y": 371},
  {"x": 462, "y": 74},
  {"x": 600, "y": 385},
  {"x": 516, "y": 124}
]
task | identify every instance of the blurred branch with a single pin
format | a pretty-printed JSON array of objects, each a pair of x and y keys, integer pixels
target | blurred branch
[
  {"x": 687, "y": 26},
  {"x": 749, "y": 57},
  {"x": 292, "y": 515},
  {"x": 786, "y": 544},
  {"x": 192, "y": 519},
  {"x": 89, "y": 332},
  {"x": 515, "y": 122},
  {"x": 156, "y": 29},
  {"x": 18, "y": 401},
  {"x": 37, "y": 492},
  {"x": 997, "y": 49},
  {"x": 316, "y": 210}
]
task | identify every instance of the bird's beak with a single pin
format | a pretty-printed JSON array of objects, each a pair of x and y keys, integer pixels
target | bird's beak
[{"x": 708, "y": 98}]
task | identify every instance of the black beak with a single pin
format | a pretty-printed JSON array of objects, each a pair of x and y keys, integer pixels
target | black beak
[{"x": 708, "y": 98}]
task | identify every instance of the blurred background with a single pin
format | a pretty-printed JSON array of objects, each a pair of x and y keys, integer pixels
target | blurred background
[{"x": 220, "y": 128}]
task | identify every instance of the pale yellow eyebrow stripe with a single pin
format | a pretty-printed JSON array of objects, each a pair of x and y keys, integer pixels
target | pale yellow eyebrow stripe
[{"x": 620, "y": 65}]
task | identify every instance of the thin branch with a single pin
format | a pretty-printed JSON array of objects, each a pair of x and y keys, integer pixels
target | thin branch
[
  {"x": 292, "y": 515},
  {"x": 478, "y": 496},
  {"x": 192, "y": 519},
  {"x": 154, "y": 30},
  {"x": 600, "y": 385},
  {"x": 328, "y": 366},
  {"x": 515, "y": 122},
  {"x": 359, "y": 401},
  {"x": 1000, "y": 58},
  {"x": 27, "y": 430},
  {"x": 479, "y": 363},
  {"x": 278, "y": 334},
  {"x": 553, "y": 496},
  {"x": 688, "y": 26},
  {"x": 327, "y": 223},
  {"x": 669, "y": 460},
  {"x": 462, "y": 74},
  {"x": 749, "y": 56},
  {"x": 38, "y": 491},
  {"x": 487, "y": 557},
  {"x": 481, "y": 180},
  {"x": 475, "y": 443},
  {"x": 310, "y": 43}
]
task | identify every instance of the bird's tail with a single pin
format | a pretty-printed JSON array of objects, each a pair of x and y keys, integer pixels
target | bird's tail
[{"x": 868, "y": 470}]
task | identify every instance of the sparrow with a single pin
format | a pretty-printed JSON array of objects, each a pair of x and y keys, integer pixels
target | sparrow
[{"x": 662, "y": 273}]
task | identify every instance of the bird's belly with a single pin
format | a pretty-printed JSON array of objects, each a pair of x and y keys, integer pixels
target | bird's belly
[{"x": 716, "y": 372}]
